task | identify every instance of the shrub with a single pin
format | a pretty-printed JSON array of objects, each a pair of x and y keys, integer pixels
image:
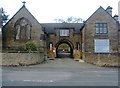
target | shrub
[{"x": 30, "y": 46}]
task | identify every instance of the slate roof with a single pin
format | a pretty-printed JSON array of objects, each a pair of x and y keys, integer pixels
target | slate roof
[{"x": 50, "y": 27}]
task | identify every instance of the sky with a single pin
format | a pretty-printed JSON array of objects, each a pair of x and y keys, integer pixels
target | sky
[{"x": 45, "y": 11}]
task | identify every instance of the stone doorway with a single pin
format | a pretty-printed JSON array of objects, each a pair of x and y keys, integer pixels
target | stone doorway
[{"x": 64, "y": 49}]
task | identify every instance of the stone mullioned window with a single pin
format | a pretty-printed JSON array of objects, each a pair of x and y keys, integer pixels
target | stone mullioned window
[{"x": 101, "y": 28}]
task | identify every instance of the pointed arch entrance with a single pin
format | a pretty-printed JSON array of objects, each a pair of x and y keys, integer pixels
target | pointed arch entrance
[{"x": 64, "y": 48}]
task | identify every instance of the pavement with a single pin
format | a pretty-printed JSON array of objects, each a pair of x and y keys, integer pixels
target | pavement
[{"x": 60, "y": 72}]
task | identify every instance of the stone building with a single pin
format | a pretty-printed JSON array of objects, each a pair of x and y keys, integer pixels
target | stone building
[
  {"x": 63, "y": 33},
  {"x": 20, "y": 30},
  {"x": 100, "y": 38},
  {"x": 119, "y": 40},
  {"x": 96, "y": 41}
]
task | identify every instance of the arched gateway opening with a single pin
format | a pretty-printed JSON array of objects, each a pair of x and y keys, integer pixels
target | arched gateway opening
[{"x": 64, "y": 48}]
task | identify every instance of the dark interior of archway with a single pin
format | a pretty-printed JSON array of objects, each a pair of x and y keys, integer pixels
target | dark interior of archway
[{"x": 64, "y": 50}]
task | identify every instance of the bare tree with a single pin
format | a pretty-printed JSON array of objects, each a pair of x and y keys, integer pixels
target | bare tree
[
  {"x": 3, "y": 17},
  {"x": 74, "y": 20},
  {"x": 59, "y": 20},
  {"x": 70, "y": 20}
]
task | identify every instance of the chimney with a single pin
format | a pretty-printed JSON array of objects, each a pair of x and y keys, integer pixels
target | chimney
[
  {"x": 116, "y": 17},
  {"x": 109, "y": 10}
]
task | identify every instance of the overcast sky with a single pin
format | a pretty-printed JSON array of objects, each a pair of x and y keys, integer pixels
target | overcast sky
[{"x": 45, "y": 11}]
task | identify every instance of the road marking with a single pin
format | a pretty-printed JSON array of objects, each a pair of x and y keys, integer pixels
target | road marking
[{"x": 44, "y": 81}]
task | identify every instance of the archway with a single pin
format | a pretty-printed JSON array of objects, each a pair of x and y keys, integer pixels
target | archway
[{"x": 64, "y": 48}]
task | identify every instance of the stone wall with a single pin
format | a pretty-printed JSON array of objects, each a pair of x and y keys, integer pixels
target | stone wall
[
  {"x": 76, "y": 54},
  {"x": 119, "y": 42},
  {"x": 102, "y": 59},
  {"x": 0, "y": 48},
  {"x": 16, "y": 59}
]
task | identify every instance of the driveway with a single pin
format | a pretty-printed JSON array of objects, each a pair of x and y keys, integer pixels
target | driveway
[{"x": 60, "y": 72}]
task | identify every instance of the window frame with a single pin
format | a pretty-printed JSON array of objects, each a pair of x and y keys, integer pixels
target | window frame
[
  {"x": 64, "y": 32},
  {"x": 101, "y": 27}
]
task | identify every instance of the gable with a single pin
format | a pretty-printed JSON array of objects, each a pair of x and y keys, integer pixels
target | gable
[
  {"x": 22, "y": 27},
  {"x": 100, "y": 15},
  {"x": 23, "y": 12}
]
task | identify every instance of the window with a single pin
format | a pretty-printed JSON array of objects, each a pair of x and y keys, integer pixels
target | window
[
  {"x": 77, "y": 45},
  {"x": 101, "y": 28},
  {"x": 101, "y": 45},
  {"x": 22, "y": 29},
  {"x": 64, "y": 32},
  {"x": 51, "y": 45}
]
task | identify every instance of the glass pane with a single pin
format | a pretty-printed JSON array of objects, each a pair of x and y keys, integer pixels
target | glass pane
[
  {"x": 101, "y": 49},
  {"x": 101, "y": 45},
  {"x": 64, "y": 32},
  {"x": 105, "y": 24},
  {"x": 101, "y": 30},
  {"x": 50, "y": 46},
  {"x": 67, "y": 32},
  {"x": 101, "y": 25},
  {"x": 97, "y": 30},
  {"x": 105, "y": 30},
  {"x": 101, "y": 42},
  {"x": 60, "y": 32},
  {"x": 96, "y": 24}
]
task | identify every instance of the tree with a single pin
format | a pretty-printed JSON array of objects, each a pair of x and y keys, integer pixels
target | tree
[
  {"x": 59, "y": 20},
  {"x": 69, "y": 20},
  {"x": 3, "y": 17},
  {"x": 74, "y": 20}
]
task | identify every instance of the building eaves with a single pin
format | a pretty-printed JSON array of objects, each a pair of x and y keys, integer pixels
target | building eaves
[{"x": 51, "y": 27}]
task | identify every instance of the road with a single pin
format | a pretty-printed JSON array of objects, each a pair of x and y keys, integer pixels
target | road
[{"x": 60, "y": 72}]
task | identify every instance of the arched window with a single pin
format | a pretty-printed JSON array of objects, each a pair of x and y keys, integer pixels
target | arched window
[
  {"x": 77, "y": 45},
  {"x": 22, "y": 29},
  {"x": 50, "y": 45}
]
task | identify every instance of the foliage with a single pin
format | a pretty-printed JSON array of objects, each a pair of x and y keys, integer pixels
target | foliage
[
  {"x": 59, "y": 20},
  {"x": 30, "y": 46},
  {"x": 74, "y": 20},
  {"x": 3, "y": 17},
  {"x": 64, "y": 46},
  {"x": 69, "y": 20}
]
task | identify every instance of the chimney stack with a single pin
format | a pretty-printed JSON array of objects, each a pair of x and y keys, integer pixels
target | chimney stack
[
  {"x": 116, "y": 17},
  {"x": 109, "y": 10}
]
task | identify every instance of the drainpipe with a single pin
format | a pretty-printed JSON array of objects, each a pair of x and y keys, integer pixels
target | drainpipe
[
  {"x": 81, "y": 45},
  {"x": 44, "y": 42}
]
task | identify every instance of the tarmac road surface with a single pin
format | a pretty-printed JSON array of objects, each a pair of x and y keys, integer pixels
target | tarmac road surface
[{"x": 60, "y": 72}]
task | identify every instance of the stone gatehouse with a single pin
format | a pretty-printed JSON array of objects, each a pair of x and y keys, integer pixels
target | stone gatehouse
[
  {"x": 63, "y": 33},
  {"x": 97, "y": 40}
]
